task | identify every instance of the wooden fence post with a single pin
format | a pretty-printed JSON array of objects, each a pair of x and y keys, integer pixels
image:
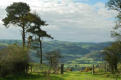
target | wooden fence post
[
  {"x": 62, "y": 68},
  {"x": 31, "y": 68},
  {"x": 93, "y": 69},
  {"x": 105, "y": 66}
]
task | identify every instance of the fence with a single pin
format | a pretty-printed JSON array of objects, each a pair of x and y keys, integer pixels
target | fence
[{"x": 38, "y": 68}]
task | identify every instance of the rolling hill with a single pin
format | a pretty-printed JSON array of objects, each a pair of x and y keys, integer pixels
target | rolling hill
[{"x": 72, "y": 52}]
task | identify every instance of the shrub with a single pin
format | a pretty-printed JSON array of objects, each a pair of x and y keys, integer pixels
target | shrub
[
  {"x": 68, "y": 69},
  {"x": 53, "y": 58},
  {"x": 13, "y": 60},
  {"x": 87, "y": 69}
]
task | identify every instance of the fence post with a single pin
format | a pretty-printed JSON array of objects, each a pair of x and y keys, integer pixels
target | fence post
[
  {"x": 105, "y": 66},
  {"x": 31, "y": 68},
  {"x": 62, "y": 68},
  {"x": 93, "y": 69}
]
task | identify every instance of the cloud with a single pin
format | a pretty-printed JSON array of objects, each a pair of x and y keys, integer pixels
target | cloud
[{"x": 71, "y": 20}]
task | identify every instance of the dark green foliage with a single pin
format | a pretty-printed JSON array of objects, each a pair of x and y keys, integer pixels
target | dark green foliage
[
  {"x": 112, "y": 55},
  {"x": 17, "y": 13},
  {"x": 38, "y": 33},
  {"x": 35, "y": 29},
  {"x": 37, "y": 22},
  {"x": 115, "y": 5},
  {"x": 13, "y": 60},
  {"x": 19, "y": 9}
]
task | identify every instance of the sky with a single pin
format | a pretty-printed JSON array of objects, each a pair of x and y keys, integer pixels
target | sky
[{"x": 69, "y": 20}]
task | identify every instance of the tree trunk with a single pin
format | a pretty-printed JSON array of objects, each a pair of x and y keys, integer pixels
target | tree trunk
[
  {"x": 40, "y": 51},
  {"x": 23, "y": 36},
  {"x": 29, "y": 41},
  {"x": 116, "y": 68},
  {"x": 112, "y": 68}
]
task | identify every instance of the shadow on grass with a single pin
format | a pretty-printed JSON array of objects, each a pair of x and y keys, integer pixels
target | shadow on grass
[{"x": 31, "y": 77}]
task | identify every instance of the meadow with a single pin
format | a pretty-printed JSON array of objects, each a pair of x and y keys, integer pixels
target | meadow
[{"x": 76, "y": 75}]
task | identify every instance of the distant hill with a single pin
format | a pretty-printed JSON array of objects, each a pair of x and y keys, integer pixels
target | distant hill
[
  {"x": 72, "y": 52},
  {"x": 77, "y": 52}
]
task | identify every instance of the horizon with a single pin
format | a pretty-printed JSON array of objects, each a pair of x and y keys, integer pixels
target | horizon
[{"x": 58, "y": 40}]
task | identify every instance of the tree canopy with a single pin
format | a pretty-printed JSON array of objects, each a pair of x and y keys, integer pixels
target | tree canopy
[
  {"x": 114, "y": 5},
  {"x": 17, "y": 14},
  {"x": 112, "y": 55}
]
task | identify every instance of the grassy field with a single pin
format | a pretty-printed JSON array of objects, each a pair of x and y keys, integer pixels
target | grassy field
[
  {"x": 65, "y": 76},
  {"x": 87, "y": 76}
]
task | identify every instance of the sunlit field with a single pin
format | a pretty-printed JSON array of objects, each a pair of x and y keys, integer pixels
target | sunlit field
[{"x": 65, "y": 76}]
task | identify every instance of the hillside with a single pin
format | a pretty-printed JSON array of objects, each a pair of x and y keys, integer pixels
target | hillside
[{"x": 72, "y": 52}]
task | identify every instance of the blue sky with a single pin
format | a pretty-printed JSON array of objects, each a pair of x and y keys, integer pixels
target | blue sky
[
  {"x": 91, "y": 1},
  {"x": 69, "y": 20},
  {"x": 95, "y": 1}
]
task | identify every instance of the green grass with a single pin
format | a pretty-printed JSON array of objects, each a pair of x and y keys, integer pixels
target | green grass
[
  {"x": 87, "y": 76},
  {"x": 65, "y": 76}
]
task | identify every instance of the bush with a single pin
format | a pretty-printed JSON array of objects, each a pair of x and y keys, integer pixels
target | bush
[
  {"x": 87, "y": 69},
  {"x": 53, "y": 58},
  {"x": 13, "y": 60}
]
